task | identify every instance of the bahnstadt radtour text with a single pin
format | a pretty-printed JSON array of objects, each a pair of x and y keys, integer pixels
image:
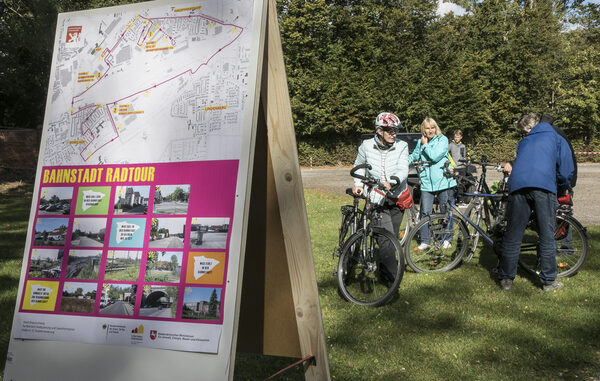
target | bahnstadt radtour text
[{"x": 98, "y": 175}]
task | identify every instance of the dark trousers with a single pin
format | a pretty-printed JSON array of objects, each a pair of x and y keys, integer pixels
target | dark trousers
[
  {"x": 520, "y": 205},
  {"x": 391, "y": 219}
]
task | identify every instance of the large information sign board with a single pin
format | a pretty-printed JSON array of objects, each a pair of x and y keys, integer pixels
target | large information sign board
[
  {"x": 115, "y": 260},
  {"x": 138, "y": 212}
]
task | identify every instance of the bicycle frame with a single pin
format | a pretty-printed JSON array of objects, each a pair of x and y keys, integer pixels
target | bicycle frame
[
  {"x": 469, "y": 221},
  {"x": 483, "y": 196},
  {"x": 360, "y": 219}
]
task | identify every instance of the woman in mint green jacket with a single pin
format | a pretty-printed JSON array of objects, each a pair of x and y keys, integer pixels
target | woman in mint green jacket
[
  {"x": 388, "y": 157},
  {"x": 433, "y": 147}
]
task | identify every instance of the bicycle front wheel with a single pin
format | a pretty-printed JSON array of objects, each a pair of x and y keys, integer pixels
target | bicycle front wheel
[
  {"x": 571, "y": 247},
  {"x": 449, "y": 240},
  {"x": 370, "y": 268},
  {"x": 347, "y": 226}
]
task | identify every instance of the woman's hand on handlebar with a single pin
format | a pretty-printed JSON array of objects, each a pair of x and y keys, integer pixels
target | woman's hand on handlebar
[{"x": 357, "y": 190}]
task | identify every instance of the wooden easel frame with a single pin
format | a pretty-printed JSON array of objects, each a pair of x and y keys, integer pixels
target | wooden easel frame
[{"x": 280, "y": 312}]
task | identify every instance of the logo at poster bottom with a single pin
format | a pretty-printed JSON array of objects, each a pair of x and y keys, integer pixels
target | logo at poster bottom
[{"x": 153, "y": 334}]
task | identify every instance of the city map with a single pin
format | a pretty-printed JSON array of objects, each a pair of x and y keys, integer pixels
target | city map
[{"x": 164, "y": 84}]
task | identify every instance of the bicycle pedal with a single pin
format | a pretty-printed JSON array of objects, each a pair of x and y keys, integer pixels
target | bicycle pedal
[{"x": 335, "y": 272}]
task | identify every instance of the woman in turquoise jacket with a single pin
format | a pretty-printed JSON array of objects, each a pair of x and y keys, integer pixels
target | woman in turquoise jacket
[{"x": 433, "y": 147}]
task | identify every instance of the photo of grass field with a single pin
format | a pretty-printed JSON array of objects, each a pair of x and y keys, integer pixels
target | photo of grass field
[{"x": 123, "y": 265}]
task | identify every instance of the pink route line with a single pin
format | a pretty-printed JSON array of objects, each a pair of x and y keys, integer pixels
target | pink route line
[{"x": 144, "y": 33}]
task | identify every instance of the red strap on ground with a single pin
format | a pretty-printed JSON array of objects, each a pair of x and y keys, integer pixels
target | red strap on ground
[{"x": 305, "y": 362}]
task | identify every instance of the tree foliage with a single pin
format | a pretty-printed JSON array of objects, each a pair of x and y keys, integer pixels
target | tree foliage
[
  {"x": 477, "y": 72},
  {"x": 348, "y": 60},
  {"x": 27, "y": 28}
]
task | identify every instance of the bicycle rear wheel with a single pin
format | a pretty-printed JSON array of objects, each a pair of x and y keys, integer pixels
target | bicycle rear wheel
[
  {"x": 362, "y": 277},
  {"x": 437, "y": 257},
  {"x": 473, "y": 212},
  {"x": 571, "y": 247},
  {"x": 411, "y": 217}
]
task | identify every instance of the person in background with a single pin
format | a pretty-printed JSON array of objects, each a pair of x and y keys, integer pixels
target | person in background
[
  {"x": 458, "y": 151},
  {"x": 543, "y": 165},
  {"x": 388, "y": 157},
  {"x": 433, "y": 147}
]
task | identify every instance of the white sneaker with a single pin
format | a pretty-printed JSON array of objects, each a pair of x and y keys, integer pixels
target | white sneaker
[
  {"x": 423, "y": 246},
  {"x": 446, "y": 245}
]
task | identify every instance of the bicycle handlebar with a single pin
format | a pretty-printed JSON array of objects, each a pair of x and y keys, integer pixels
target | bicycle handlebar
[
  {"x": 483, "y": 163},
  {"x": 371, "y": 181},
  {"x": 360, "y": 166},
  {"x": 456, "y": 175},
  {"x": 420, "y": 163}
]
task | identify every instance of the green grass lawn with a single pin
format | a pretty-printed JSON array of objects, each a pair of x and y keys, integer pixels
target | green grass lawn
[
  {"x": 454, "y": 325},
  {"x": 458, "y": 324},
  {"x": 15, "y": 204}
]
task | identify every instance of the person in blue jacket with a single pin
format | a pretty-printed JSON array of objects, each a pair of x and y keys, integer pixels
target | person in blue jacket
[
  {"x": 388, "y": 157},
  {"x": 433, "y": 147},
  {"x": 542, "y": 166}
]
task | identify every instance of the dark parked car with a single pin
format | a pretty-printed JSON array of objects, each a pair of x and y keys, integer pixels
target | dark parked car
[{"x": 411, "y": 138}]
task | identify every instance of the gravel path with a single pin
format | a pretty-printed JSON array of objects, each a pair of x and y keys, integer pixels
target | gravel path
[{"x": 587, "y": 192}]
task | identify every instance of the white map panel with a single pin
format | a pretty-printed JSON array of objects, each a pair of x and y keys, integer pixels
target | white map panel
[{"x": 165, "y": 84}]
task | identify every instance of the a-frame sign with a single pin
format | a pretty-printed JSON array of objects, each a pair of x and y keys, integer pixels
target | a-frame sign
[{"x": 67, "y": 326}]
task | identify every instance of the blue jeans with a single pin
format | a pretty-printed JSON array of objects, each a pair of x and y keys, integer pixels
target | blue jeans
[
  {"x": 427, "y": 207},
  {"x": 520, "y": 205}
]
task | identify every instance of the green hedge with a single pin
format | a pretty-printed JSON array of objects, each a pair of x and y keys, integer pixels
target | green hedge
[{"x": 329, "y": 152}]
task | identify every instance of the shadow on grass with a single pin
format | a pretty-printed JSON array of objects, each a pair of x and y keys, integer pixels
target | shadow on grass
[{"x": 448, "y": 328}]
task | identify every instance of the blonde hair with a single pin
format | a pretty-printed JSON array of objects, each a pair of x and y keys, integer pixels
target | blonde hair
[{"x": 430, "y": 122}]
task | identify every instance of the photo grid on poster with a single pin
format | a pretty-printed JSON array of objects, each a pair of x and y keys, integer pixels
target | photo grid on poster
[{"x": 126, "y": 251}]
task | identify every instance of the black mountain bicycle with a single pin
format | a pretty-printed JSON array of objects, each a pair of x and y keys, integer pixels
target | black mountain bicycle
[
  {"x": 572, "y": 244},
  {"x": 371, "y": 264}
]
